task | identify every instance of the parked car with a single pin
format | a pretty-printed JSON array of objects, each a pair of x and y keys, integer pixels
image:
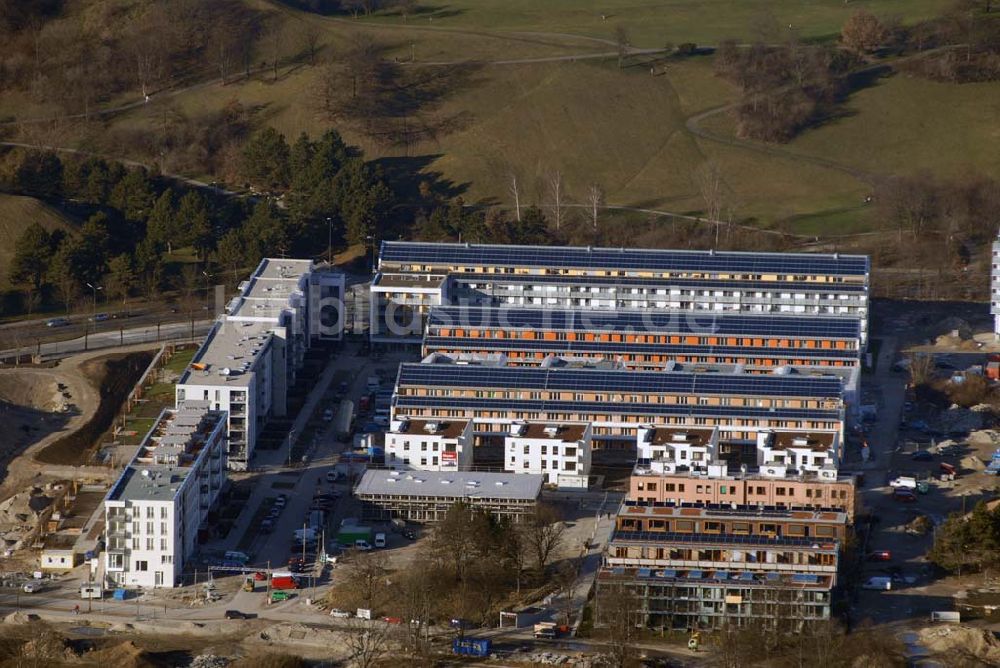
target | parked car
[
  {"x": 100, "y": 317},
  {"x": 922, "y": 456},
  {"x": 362, "y": 545},
  {"x": 236, "y": 614},
  {"x": 904, "y": 495},
  {"x": 281, "y": 500},
  {"x": 878, "y": 583},
  {"x": 331, "y": 476},
  {"x": 57, "y": 322},
  {"x": 340, "y": 614},
  {"x": 409, "y": 534},
  {"x": 267, "y": 526},
  {"x": 880, "y": 555},
  {"x": 392, "y": 620},
  {"x": 328, "y": 415},
  {"x": 31, "y": 587}
]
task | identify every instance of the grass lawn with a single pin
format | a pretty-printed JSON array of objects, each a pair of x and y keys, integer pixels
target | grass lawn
[
  {"x": 651, "y": 23},
  {"x": 625, "y": 129}
]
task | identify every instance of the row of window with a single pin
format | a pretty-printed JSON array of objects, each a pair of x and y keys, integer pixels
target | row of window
[{"x": 759, "y": 490}]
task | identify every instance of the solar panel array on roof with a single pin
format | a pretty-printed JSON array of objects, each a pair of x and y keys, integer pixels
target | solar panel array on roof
[
  {"x": 680, "y": 322},
  {"x": 625, "y": 382},
  {"x": 490, "y": 255}
]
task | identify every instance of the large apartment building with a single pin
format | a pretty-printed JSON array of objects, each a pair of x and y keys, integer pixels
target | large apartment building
[
  {"x": 703, "y": 567},
  {"x": 995, "y": 286},
  {"x": 639, "y": 339},
  {"x": 618, "y": 402},
  {"x": 413, "y": 277},
  {"x": 252, "y": 355},
  {"x": 153, "y": 512}
]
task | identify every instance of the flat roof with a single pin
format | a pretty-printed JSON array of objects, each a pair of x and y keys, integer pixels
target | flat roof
[
  {"x": 232, "y": 345},
  {"x": 442, "y": 428},
  {"x": 456, "y": 485},
  {"x": 158, "y": 469},
  {"x": 567, "y": 432},
  {"x": 680, "y": 436},
  {"x": 816, "y": 441},
  {"x": 546, "y": 257},
  {"x": 624, "y": 382},
  {"x": 283, "y": 268},
  {"x": 667, "y": 321}
]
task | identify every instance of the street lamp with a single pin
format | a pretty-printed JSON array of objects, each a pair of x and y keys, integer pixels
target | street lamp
[
  {"x": 371, "y": 238},
  {"x": 329, "y": 239},
  {"x": 93, "y": 312}
]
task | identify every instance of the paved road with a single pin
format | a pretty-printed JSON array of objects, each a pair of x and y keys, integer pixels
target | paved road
[{"x": 182, "y": 331}]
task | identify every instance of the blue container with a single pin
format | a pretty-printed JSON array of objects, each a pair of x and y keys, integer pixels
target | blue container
[
  {"x": 472, "y": 646},
  {"x": 120, "y": 594}
]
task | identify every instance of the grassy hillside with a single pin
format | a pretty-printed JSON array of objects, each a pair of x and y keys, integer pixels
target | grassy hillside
[
  {"x": 16, "y": 213},
  {"x": 651, "y": 23},
  {"x": 624, "y": 130}
]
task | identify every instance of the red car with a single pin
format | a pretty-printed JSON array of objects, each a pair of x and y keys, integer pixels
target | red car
[
  {"x": 880, "y": 555},
  {"x": 392, "y": 620},
  {"x": 260, "y": 576}
]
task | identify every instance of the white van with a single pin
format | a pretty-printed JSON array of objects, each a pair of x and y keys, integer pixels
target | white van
[
  {"x": 903, "y": 482},
  {"x": 380, "y": 540},
  {"x": 362, "y": 545}
]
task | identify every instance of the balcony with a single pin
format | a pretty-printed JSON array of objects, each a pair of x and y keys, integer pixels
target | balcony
[{"x": 750, "y": 567}]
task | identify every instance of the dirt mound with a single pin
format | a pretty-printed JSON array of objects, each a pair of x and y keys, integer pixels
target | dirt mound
[
  {"x": 953, "y": 330},
  {"x": 124, "y": 655},
  {"x": 962, "y": 641}
]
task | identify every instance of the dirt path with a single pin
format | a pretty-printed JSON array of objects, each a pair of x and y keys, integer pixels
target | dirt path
[{"x": 71, "y": 372}]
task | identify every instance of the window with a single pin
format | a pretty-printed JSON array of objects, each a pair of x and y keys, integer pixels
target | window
[
  {"x": 825, "y": 532},
  {"x": 163, "y": 528},
  {"x": 527, "y": 450},
  {"x": 545, "y": 449},
  {"x": 135, "y": 543},
  {"x": 149, "y": 512},
  {"x": 779, "y": 491},
  {"x": 142, "y": 565},
  {"x": 149, "y": 527},
  {"x": 713, "y": 527},
  {"x": 163, "y": 512},
  {"x": 149, "y": 543},
  {"x": 741, "y": 528},
  {"x": 651, "y": 486},
  {"x": 163, "y": 544},
  {"x": 669, "y": 487},
  {"x": 684, "y": 526},
  {"x": 760, "y": 491},
  {"x": 722, "y": 489},
  {"x": 167, "y": 559}
]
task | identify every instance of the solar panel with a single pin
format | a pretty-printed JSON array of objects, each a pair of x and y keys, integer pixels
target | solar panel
[
  {"x": 662, "y": 538},
  {"x": 805, "y": 578},
  {"x": 644, "y": 573},
  {"x": 773, "y": 577},
  {"x": 721, "y": 575},
  {"x": 624, "y": 382},
  {"x": 746, "y": 577},
  {"x": 438, "y": 254},
  {"x": 663, "y": 321},
  {"x": 694, "y": 575}
]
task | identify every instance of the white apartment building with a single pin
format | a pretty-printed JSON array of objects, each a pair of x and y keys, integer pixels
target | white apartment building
[
  {"x": 560, "y": 452},
  {"x": 154, "y": 510},
  {"x": 412, "y": 276},
  {"x": 251, "y": 357},
  {"x": 675, "y": 448},
  {"x": 785, "y": 453},
  {"x": 429, "y": 445}
]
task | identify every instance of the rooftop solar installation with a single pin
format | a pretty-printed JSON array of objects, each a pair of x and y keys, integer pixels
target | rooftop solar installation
[
  {"x": 463, "y": 279},
  {"x": 494, "y": 255},
  {"x": 444, "y": 343},
  {"x": 404, "y": 406},
  {"x": 681, "y": 322},
  {"x": 625, "y": 382}
]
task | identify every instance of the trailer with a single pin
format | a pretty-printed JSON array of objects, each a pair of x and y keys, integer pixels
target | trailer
[
  {"x": 281, "y": 580},
  {"x": 348, "y": 534},
  {"x": 344, "y": 423}
]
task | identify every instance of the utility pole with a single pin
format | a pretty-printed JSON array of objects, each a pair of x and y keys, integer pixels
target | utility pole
[{"x": 93, "y": 315}]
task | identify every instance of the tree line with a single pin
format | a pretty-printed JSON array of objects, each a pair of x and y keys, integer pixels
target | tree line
[{"x": 319, "y": 192}]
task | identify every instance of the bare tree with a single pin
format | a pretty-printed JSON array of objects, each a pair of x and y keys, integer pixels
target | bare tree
[
  {"x": 595, "y": 197},
  {"x": 544, "y": 534},
  {"x": 310, "y": 37},
  {"x": 921, "y": 368},
  {"x": 565, "y": 580},
  {"x": 366, "y": 575},
  {"x": 622, "y": 42},
  {"x": 516, "y": 194},
  {"x": 367, "y": 642},
  {"x": 617, "y": 612},
  {"x": 226, "y": 50},
  {"x": 275, "y": 45},
  {"x": 556, "y": 188}
]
